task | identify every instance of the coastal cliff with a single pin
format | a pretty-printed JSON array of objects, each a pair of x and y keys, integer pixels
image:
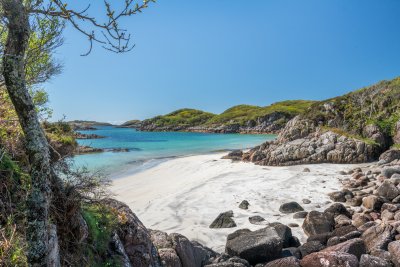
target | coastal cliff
[{"x": 352, "y": 128}]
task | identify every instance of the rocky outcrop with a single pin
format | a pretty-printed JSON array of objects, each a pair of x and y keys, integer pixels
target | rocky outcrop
[
  {"x": 138, "y": 246},
  {"x": 176, "y": 250},
  {"x": 317, "y": 147},
  {"x": 352, "y": 128},
  {"x": 134, "y": 236}
]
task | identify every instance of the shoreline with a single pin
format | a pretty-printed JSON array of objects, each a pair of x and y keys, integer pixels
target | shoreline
[{"x": 185, "y": 194}]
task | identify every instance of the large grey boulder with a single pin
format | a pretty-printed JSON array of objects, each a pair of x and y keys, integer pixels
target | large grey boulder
[
  {"x": 134, "y": 236},
  {"x": 317, "y": 223},
  {"x": 388, "y": 190},
  {"x": 290, "y": 207},
  {"x": 256, "y": 247},
  {"x": 190, "y": 254},
  {"x": 224, "y": 220},
  {"x": 176, "y": 250}
]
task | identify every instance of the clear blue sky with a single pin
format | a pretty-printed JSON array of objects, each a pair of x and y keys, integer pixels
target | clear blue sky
[{"x": 213, "y": 54}]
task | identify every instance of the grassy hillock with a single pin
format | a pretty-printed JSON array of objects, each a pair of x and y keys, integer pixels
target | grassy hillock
[
  {"x": 242, "y": 113},
  {"x": 377, "y": 105},
  {"x": 239, "y": 115},
  {"x": 130, "y": 123},
  {"x": 180, "y": 118}
]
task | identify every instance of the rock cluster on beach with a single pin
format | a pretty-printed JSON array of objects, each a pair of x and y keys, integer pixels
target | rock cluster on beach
[
  {"x": 302, "y": 143},
  {"x": 360, "y": 229}
]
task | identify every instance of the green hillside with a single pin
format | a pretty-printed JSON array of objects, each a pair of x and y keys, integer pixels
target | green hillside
[
  {"x": 180, "y": 118},
  {"x": 377, "y": 105},
  {"x": 242, "y": 113}
]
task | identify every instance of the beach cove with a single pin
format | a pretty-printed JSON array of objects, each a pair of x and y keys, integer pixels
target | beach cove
[{"x": 185, "y": 195}]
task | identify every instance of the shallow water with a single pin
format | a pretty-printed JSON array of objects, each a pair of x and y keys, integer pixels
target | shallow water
[{"x": 147, "y": 149}]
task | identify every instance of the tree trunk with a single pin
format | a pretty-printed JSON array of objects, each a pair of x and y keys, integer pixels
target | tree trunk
[{"x": 36, "y": 144}]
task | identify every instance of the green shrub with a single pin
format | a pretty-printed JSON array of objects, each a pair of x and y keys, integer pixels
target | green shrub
[
  {"x": 102, "y": 222},
  {"x": 60, "y": 132},
  {"x": 377, "y": 104}
]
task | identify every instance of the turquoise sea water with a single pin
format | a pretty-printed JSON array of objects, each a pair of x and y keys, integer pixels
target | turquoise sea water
[{"x": 149, "y": 148}]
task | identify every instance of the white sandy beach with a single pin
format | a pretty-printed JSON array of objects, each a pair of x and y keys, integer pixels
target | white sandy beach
[{"x": 185, "y": 195}]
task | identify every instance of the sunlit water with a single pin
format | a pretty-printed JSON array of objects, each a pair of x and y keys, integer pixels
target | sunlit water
[{"x": 149, "y": 148}]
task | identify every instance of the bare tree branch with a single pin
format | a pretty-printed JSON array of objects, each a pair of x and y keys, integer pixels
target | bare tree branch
[{"x": 108, "y": 33}]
